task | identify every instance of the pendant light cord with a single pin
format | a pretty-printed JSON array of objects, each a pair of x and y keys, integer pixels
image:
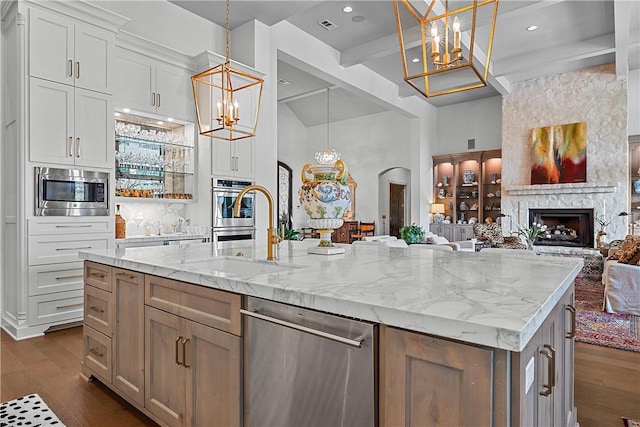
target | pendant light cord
[
  {"x": 327, "y": 118},
  {"x": 227, "y": 22}
]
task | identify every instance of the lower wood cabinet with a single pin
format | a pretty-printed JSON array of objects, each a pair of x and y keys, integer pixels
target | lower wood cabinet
[
  {"x": 177, "y": 358},
  {"x": 428, "y": 381},
  {"x": 193, "y": 372}
]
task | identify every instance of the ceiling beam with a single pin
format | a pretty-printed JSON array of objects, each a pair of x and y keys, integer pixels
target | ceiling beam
[
  {"x": 622, "y": 18},
  {"x": 305, "y": 94},
  {"x": 560, "y": 54}
]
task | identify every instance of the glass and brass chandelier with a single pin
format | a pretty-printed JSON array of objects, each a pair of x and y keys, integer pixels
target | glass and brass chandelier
[
  {"x": 220, "y": 93},
  {"x": 440, "y": 43}
]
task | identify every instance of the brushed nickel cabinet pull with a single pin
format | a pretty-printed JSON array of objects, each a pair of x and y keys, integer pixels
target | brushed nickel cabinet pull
[
  {"x": 70, "y": 62},
  {"x": 184, "y": 352},
  {"x": 73, "y": 249},
  {"x": 572, "y": 333},
  {"x": 77, "y": 276},
  {"x": 77, "y": 69},
  {"x": 96, "y": 309},
  {"x": 69, "y": 306},
  {"x": 70, "y": 146},
  {"x": 128, "y": 276},
  {"x": 550, "y": 353},
  {"x": 153, "y": 99},
  {"x": 96, "y": 352},
  {"x": 96, "y": 275},
  {"x": 77, "y": 147},
  {"x": 158, "y": 100},
  {"x": 178, "y": 351}
]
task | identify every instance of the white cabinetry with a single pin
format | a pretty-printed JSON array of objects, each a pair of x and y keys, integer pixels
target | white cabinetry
[
  {"x": 69, "y": 52},
  {"x": 148, "y": 85},
  {"x": 55, "y": 271},
  {"x": 233, "y": 158},
  {"x": 69, "y": 125}
]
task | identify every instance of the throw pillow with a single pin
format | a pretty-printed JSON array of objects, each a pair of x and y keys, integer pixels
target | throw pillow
[
  {"x": 628, "y": 243},
  {"x": 631, "y": 256}
]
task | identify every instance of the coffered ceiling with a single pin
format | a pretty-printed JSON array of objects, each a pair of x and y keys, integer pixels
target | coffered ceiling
[{"x": 571, "y": 35}]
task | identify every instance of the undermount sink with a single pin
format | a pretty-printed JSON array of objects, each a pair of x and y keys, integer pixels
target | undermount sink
[{"x": 241, "y": 266}]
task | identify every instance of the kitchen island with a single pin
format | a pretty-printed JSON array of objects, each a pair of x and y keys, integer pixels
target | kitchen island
[{"x": 513, "y": 312}]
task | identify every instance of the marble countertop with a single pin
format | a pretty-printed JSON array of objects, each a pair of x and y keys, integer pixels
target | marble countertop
[
  {"x": 162, "y": 237},
  {"x": 497, "y": 300}
]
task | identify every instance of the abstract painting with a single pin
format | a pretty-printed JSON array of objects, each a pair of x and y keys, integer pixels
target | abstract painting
[{"x": 559, "y": 154}]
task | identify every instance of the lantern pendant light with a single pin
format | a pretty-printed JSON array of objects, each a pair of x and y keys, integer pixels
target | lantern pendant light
[{"x": 227, "y": 100}]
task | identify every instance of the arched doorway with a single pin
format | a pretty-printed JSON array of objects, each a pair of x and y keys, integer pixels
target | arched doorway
[{"x": 394, "y": 206}]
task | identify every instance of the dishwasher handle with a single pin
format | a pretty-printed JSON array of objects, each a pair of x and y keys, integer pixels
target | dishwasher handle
[{"x": 354, "y": 343}]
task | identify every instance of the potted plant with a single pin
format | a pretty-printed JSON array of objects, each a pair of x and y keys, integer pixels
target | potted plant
[{"x": 412, "y": 233}]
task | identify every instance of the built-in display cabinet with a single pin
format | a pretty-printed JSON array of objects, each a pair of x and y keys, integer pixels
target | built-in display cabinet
[
  {"x": 469, "y": 186},
  {"x": 154, "y": 159}
]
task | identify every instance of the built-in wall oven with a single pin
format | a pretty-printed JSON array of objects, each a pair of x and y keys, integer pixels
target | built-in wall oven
[
  {"x": 224, "y": 226},
  {"x": 71, "y": 192}
]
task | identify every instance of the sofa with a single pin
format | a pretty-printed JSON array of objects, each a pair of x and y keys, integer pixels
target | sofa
[
  {"x": 491, "y": 234},
  {"x": 621, "y": 277}
]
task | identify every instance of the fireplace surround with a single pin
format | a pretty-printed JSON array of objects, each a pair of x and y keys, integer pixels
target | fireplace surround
[{"x": 565, "y": 227}]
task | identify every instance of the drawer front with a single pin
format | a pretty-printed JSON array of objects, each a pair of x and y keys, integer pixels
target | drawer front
[
  {"x": 97, "y": 353},
  {"x": 212, "y": 307},
  {"x": 58, "y": 307},
  {"x": 98, "y": 275},
  {"x": 98, "y": 310},
  {"x": 40, "y": 226},
  {"x": 57, "y": 249},
  {"x": 47, "y": 279}
]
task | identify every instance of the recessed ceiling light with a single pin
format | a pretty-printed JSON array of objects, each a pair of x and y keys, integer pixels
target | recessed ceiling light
[
  {"x": 415, "y": 60},
  {"x": 126, "y": 110},
  {"x": 347, "y": 9},
  {"x": 170, "y": 119},
  {"x": 531, "y": 28},
  {"x": 116, "y": 114},
  {"x": 159, "y": 122}
]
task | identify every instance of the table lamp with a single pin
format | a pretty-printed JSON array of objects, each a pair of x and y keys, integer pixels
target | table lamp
[{"x": 437, "y": 209}]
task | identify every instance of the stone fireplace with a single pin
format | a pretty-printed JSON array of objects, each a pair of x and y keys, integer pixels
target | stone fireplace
[{"x": 565, "y": 227}]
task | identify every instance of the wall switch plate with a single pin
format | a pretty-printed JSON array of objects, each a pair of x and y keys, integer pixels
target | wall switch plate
[{"x": 529, "y": 374}]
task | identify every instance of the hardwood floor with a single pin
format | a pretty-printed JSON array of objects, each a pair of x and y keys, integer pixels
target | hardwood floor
[
  {"x": 607, "y": 383},
  {"x": 50, "y": 366}
]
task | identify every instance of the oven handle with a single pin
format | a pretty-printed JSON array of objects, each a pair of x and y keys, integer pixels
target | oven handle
[{"x": 353, "y": 343}]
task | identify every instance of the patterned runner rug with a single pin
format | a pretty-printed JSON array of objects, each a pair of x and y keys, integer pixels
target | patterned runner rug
[
  {"x": 595, "y": 326},
  {"x": 28, "y": 411}
]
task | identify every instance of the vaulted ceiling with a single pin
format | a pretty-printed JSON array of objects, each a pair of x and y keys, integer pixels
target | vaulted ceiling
[{"x": 571, "y": 35}]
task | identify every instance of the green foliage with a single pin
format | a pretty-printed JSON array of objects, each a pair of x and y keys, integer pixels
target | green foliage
[
  {"x": 412, "y": 233},
  {"x": 291, "y": 234}
]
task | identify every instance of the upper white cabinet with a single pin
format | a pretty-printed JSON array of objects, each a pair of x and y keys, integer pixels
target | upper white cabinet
[
  {"x": 149, "y": 85},
  {"x": 69, "y": 52},
  {"x": 233, "y": 158},
  {"x": 70, "y": 126}
]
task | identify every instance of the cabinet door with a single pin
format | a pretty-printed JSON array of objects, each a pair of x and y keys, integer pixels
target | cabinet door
[
  {"x": 93, "y": 49},
  {"x": 212, "y": 365},
  {"x": 51, "y": 48},
  {"x": 428, "y": 381},
  {"x": 51, "y": 122},
  {"x": 569, "y": 346},
  {"x": 94, "y": 131},
  {"x": 174, "y": 95},
  {"x": 164, "y": 372},
  {"x": 128, "y": 335},
  {"x": 222, "y": 161},
  {"x": 244, "y": 158},
  {"x": 134, "y": 81}
]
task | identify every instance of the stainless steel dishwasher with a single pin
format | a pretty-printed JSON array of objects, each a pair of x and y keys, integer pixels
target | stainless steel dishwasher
[{"x": 305, "y": 368}]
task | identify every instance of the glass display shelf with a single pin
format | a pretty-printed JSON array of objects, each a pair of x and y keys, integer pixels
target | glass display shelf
[{"x": 153, "y": 162}]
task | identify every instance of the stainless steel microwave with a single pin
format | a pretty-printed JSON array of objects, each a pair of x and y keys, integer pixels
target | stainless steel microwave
[{"x": 71, "y": 192}]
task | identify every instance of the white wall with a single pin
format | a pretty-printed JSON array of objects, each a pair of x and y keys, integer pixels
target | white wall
[
  {"x": 369, "y": 146},
  {"x": 634, "y": 102},
  {"x": 480, "y": 120}
]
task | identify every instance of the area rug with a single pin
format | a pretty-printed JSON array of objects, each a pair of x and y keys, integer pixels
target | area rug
[
  {"x": 595, "y": 326},
  {"x": 28, "y": 411}
]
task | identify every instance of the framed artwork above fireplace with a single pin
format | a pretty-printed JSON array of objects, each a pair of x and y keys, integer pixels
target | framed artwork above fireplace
[{"x": 559, "y": 154}]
